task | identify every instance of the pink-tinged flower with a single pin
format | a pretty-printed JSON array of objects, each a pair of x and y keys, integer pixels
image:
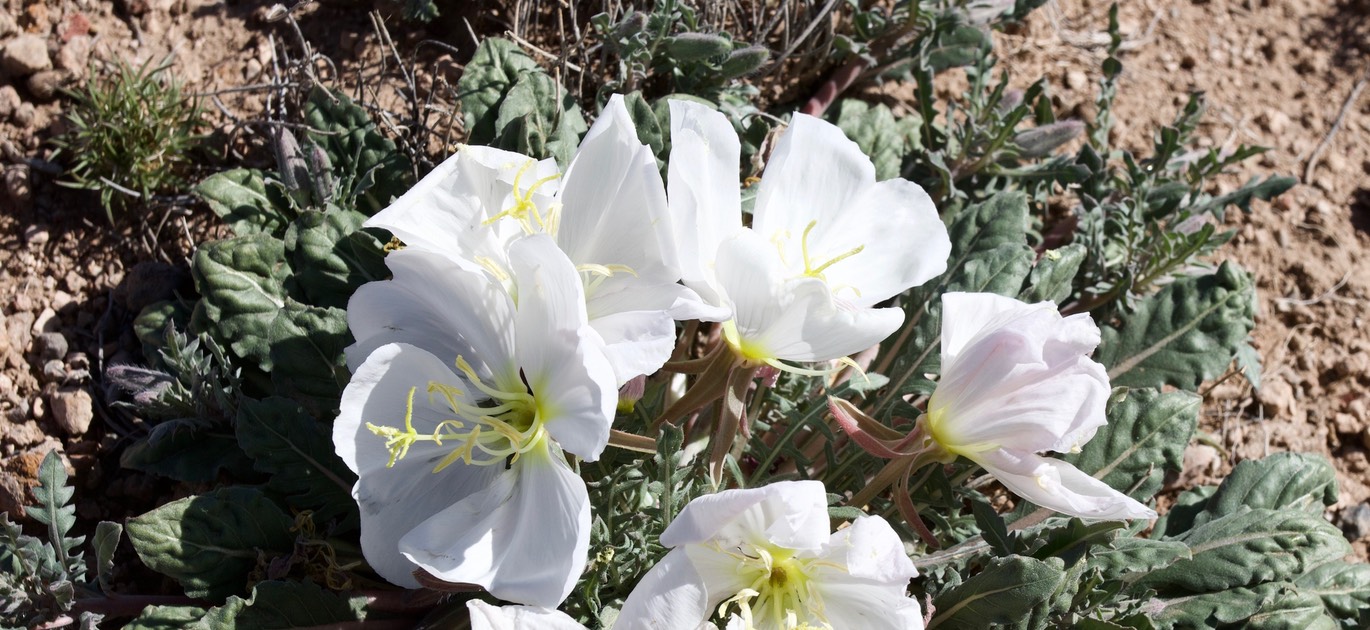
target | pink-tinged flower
[
  {"x": 765, "y": 559},
  {"x": 1017, "y": 381}
]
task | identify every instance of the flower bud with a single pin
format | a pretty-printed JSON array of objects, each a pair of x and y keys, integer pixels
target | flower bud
[
  {"x": 745, "y": 61},
  {"x": 1040, "y": 141},
  {"x": 697, "y": 46},
  {"x": 320, "y": 172},
  {"x": 290, "y": 161}
]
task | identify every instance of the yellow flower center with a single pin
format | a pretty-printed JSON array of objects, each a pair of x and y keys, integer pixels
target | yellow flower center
[
  {"x": 497, "y": 431},
  {"x": 780, "y": 591},
  {"x": 524, "y": 210}
]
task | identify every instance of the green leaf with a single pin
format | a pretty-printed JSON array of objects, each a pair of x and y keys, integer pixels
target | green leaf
[
  {"x": 151, "y": 327},
  {"x": 1183, "y": 335},
  {"x": 307, "y": 345},
  {"x": 962, "y": 46},
  {"x": 1276, "y": 605},
  {"x": 1005, "y": 591},
  {"x": 880, "y": 136},
  {"x": 538, "y": 117},
  {"x": 1145, "y": 436},
  {"x": 240, "y": 281},
  {"x": 1284, "y": 481},
  {"x": 1130, "y": 559},
  {"x": 1344, "y": 587},
  {"x": 244, "y": 200},
  {"x": 1187, "y": 507},
  {"x": 650, "y": 129},
  {"x": 297, "y": 451},
  {"x": 188, "y": 450},
  {"x": 279, "y": 605},
  {"x": 1053, "y": 277},
  {"x": 489, "y": 75},
  {"x": 1247, "y": 548},
  {"x": 105, "y": 542},
  {"x": 1266, "y": 190},
  {"x": 54, "y": 510},
  {"x": 209, "y": 543},
  {"x": 377, "y": 170},
  {"x": 166, "y": 618},
  {"x": 332, "y": 256}
]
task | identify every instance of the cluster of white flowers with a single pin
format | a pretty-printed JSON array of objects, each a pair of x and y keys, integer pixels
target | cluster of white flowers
[{"x": 524, "y": 298}]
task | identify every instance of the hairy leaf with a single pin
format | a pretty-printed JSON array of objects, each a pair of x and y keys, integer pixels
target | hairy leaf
[
  {"x": 279, "y": 605},
  {"x": 1343, "y": 586},
  {"x": 1130, "y": 559},
  {"x": 240, "y": 280},
  {"x": 489, "y": 75},
  {"x": 187, "y": 450},
  {"x": 882, "y": 137},
  {"x": 1005, "y": 591},
  {"x": 376, "y": 169},
  {"x": 1284, "y": 481},
  {"x": 243, "y": 199},
  {"x": 297, "y": 451},
  {"x": 1053, "y": 277},
  {"x": 105, "y": 542},
  {"x": 307, "y": 345},
  {"x": 55, "y": 510},
  {"x": 1146, "y": 435},
  {"x": 209, "y": 543},
  {"x": 1275, "y": 605},
  {"x": 1183, "y": 335},
  {"x": 539, "y": 117},
  {"x": 332, "y": 256},
  {"x": 166, "y": 618}
]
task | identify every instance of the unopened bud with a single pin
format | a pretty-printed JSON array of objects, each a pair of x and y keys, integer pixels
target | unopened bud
[
  {"x": 630, "y": 25},
  {"x": 1041, "y": 141},
  {"x": 697, "y": 46},
  {"x": 320, "y": 172},
  {"x": 290, "y": 161},
  {"x": 630, "y": 393},
  {"x": 1010, "y": 101},
  {"x": 745, "y": 61}
]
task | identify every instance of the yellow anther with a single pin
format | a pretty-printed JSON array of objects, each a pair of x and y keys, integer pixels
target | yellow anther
[
  {"x": 524, "y": 210},
  {"x": 394, "y": 245},
  {"x": 817, "y": 272}
]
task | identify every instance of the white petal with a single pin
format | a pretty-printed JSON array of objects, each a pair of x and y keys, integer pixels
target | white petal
[
  {"x": 903, "y": 243},
  {"x": 870, "y": 549},
  {"x": 1057, "y": 485},
  {"x": 653, "y": 290},
  {"x": 671, "y": 595},
  {"x": 792, "y": 514},
  {"x": 702, "y": 185},
  {"x": 524, "y": 538},
  {"x": 435, "y": 305},
  {"x": 562, "y": 358},
  {"x": 859, "y": 604},
  {"x": 1020, "y": 376},
  {"x": 395, "y": 500},
  {"x": 813, "y": 174},
  {"x": 487, "y": 617},
  {"x": 614, "y": 202},
  {"x": 793, "y": 319},
  {"x": 636, "y": 343}
]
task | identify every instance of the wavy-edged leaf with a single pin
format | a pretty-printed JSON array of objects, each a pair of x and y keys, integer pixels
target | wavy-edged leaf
[
  {"x": 376, "y": 170},
  {"x": 297, "y": 451},
  {"x": 166, "y": 618},
  {"x": 1185, "y": 334},
  {"x": 244, "y": 200},
  {"x": 188, "y": 450},
  {"x": 1130, "y": 559},
  {"x": 105, "y": 542},
  {"x": 1007, "y": 590},
  {"x": 332, "y": 255},
  {"x": 307, "y": 345},
  {"x": 1344, "y": 587},
  {"x": 540, "y": 118},
  {"x": 280, "y": 605},
  {"x": 209, "y": 543},
  {"x": 1271, "y": 606},
  {"x": 1284, "y": 481},
  {"x": 240, "y": 281},
  {"x": 1053, "y": 277},
  {"x": 1247, "y": 548},
  {"x": 54, "y": 509},
  {"x": 879, "y": 134},
  {"x": 489, "y": 75},
  {"x": 1146, "y": 435}
]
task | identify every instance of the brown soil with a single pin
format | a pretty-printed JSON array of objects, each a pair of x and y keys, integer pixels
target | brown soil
[{"x": 1277, "y": 73}]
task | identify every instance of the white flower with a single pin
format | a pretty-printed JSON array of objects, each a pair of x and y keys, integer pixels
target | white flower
[
  {"x": 487, "y": 617},
  {"x": 765, "y": 556},
  {"x": 607, "y": 213},
  {"x": 1017, "y": 380},
  {"x": 456, "y": 422},
  {"x": 827, "y": 242}
]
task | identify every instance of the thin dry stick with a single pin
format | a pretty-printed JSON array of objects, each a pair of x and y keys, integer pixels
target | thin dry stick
[{"x": 1336, "y": 125}]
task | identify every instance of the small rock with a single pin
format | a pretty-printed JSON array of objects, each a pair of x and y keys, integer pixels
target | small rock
[
  {"x": 75, "y": 283},
  {"x": 18, "y": 413},
  {"x": 8, "y": 26},
  {"x": 13, "y": 496},
  {"x": 54, "y": 371},
  {"x": 74, "y": 57},
  {"x": 1346, "y": 423},
  {"x": 1355, "y": 521},
  {"x": 24, "y": 433},
  {"x": 1276, "y": 396},
  {"x": 40, "y": 410},
  {"x": 43, "y": 85},
  {"x": 46, "y": 321},
  {"x": 6, "y": 383},
  {"x": 36, "y": 234},
  {"x": 60, "y": 300},
  {"x": 1274, "y": 121},
  {"x": 22, "y": 303},
  {"x": 1076, "y": 80},
  {"x": 71, "y": 410},
  {"x": 1201, "y": 462},
  {"x": 9, "y": 101},
  {"x": 20, "y": 329},
  {"x": 25, "y": 55},
  {"x": 51, "y": 346},
  {"x": 24, "y": 118},
  {"x": 17, "y": 175}
]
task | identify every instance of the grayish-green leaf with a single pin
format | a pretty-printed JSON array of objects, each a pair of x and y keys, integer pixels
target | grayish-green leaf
[
  {"x": 332, "y": 256},
  {"x": 1284, "y": 481},
  {"x": 280, "y": 605},
  {"x": 1270, "y": 606},
  {"x": 1183, "y": 335},
  {"x": 240, "y": 281},
  {"x": 375, "y": 169},
  {"x": 489, "y": 75},
  {"x": 243, "y": 199},
  {"x": 105, "y": 541},
  {"x": 187, "y": 450},
  {"x": 1052, "y": 278},
  {"x": 1146, "y": 435},
  {"x": 297, "y": 451},
  {"x": 1005, "y": 591},
  {"x": 538, "y": 117},
  {"x": 166, "y": 618},
  {"x": 307, "y": 345},
  {"x": 1343, "y": 586},
  {"x": 53, "y": 509},
  {"x": 209, "y": 543},
  {"x": 1247, "y": 548},
  {"x": 882, "y": 137},
  {"x": 1130, "y": 559}
]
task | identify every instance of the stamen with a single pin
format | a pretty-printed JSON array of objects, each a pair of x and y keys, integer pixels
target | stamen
[
  {"x": 817, "y": 272},
  {"x": 524, "y": 210}
]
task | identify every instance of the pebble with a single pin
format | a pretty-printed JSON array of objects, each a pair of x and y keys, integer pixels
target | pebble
[
  {"x": 20, "y": 328},
  {"x": 22, "y": 303},
  {"x": 46, "y": 321},
  {"x": 51, "y": 346},
  {"x": 1077, "y": 79},
  {"x": 23, "y": 118},
  {"x": 8, "y": 26},
  {"x": 9, "y": 101},
  {"x": 43, "y": 85},
  {"x": 54, "y": 371},
  {"x": 60, "y": 300},
  {"x": 72, "y": 410},
  {"x": 25, "y": 55},
  {"x": 74, "y": 56},
  {"x": 17, "y": 176},
  {"x": 1355, "y": 521},
  {"x": 75, "y": 283},
  {"x": 36, "y": 234},
  {"x": 24, "y": 433}
]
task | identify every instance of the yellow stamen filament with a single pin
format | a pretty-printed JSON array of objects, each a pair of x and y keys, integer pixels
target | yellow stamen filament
[
  {"x": 524, "y": 210},
  {"x": 812, "y": 271},
  {"x": 484, "y": 434},
  {"x": 596, "y": 274},
  {"x": 781, "y": 589}
]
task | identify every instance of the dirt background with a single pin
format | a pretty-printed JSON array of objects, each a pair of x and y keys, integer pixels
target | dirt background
[{"x": 1281, "y": 74}]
